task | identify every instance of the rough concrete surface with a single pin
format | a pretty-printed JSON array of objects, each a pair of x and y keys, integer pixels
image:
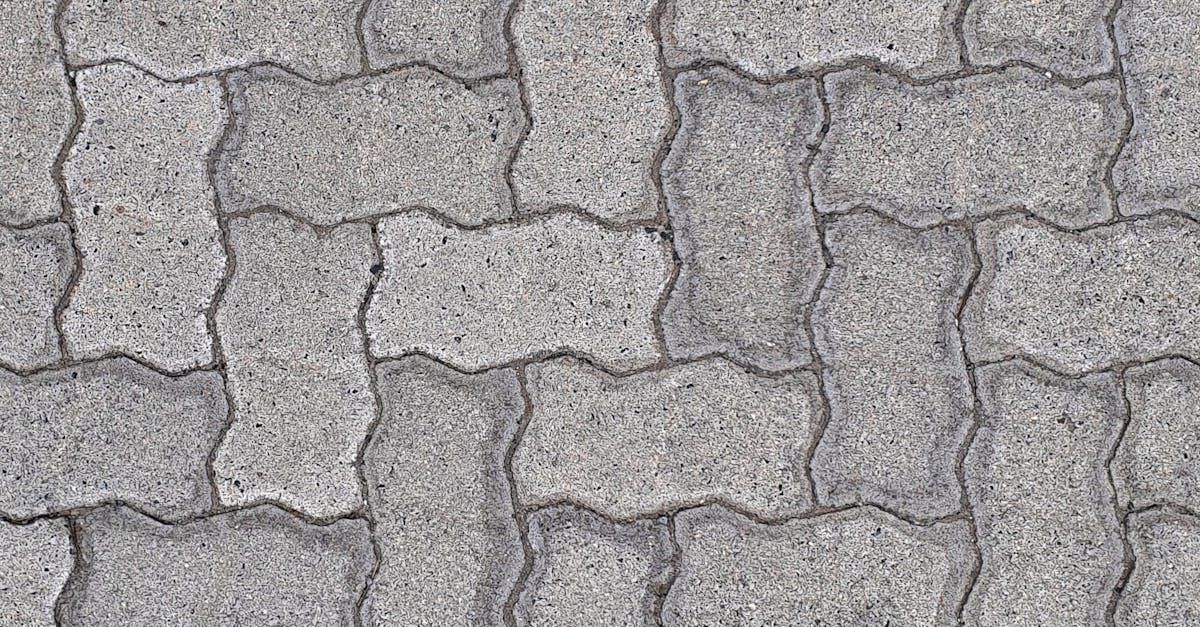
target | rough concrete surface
[{"x": 504, "y": 313}]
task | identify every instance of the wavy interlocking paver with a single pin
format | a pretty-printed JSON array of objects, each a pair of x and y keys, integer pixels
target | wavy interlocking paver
[
  {"x": 1037, "y": 480},
  {"x": 33, "y": 277},
  {"x": 107, "y": 431},
  {"x": 857, "y": 567},
  {"x": 464, "y": 37},
  {"x": 743, "y": 226},
  {"x": 35, "y": 112},
  {"x": 374, "y": 145},
  {"x": 145, "y": 218},
  {"x": 893, "y": 369},
  {"x": 1085, "y": 301},
  {"x": 780, "y": 38},
  {"x": 598, "y": 105},
  {"x": 480, "y": 298},
  {"x": 1159, "y": 44},
  {"x": 176, "y": 39},
  {"x": 251, "y": 567},
  {"x": 36, "y": 559},
  {"x": 1164, "y": 587},
  {"x": 1069, "y": 37},
  {"x": 296, "y": 364},
  {"x": 693, "y": 433},
  {"x": 446, "y": 561},
  {"x": 1156, "y": 462},
  {"x": 588, "y": 572},
  {"x": 968, "y": 147}
]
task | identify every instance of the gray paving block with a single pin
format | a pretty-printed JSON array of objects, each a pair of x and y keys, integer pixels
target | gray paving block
[
  {"x": 1038, "y": 485},
  {"x": 1068, "y": 37},
  {"x": 410, "y": 138},
  {"x": 35, "y": 560},
  {"x": 587, "y": 571},
  {"x": 743, "y": 225},
  {"x": 856, "y": 567},
  {"x": 107, "y": 431},
  {"x": 463, "y": 37},
  {"x": 599, "y": 107},
  {"x": 36, "y": 112},
  {"x": 1156, "y": 461},
  {"x": 446, "y": 561},
  {"x": 249, "y": 567},
  {"x": 145, "y": 218},
  {"x": 968, "y": 147},
  {"x": 893, "y": 366},
  {"x": 1164, "y": 588},
  {"x": 179, "y": 38},
  {"x": 33, "y": 276},
  {"x": 690, "y": 434},
  {"x": 1085, "y": 301},
  {"x": 1159, "y": 42},
  {"x": 481, "y": 298},
  {"x": 296, "y": 365},
  {"x": 776, "y": 39}
]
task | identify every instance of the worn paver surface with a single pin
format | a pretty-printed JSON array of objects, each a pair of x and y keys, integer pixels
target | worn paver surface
[{"x": 616, "y": 313}]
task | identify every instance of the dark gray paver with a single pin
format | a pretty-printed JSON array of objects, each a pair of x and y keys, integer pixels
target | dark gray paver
[
  {"x": 36, "y": 558},
  {"x": 893, "y": 367},
  {"x": 968, "y": 147},
  {"x": 1157, "y": 459},
  {"x": 409, "y": 138},
  {"x": 1068, "y": 37},
  {"x": 436, "y": 485},
  {"x": 693, "y": 433},
  {"x": 480, "y": 298},
  {"x": 464, "y": 37},
  {"x": 598, "y": 104},
  {"x": 1164, "y": 587},
  {"x": 107, "y": 431},
  {"x": 1037, "y": 479},
  {"x": 589, "y": 572},
  {"x": 178, "y": 38},
  {"x": 33, "y": 276},
  {"x": 857, "y": 567},
  {"x": 296, "y": 365},
  {"x": 252, "y": 567},
  {"x": 145, "y": 218},
  {"x": 742, "y": 221},
  {"x": 1089, "y": 300}
]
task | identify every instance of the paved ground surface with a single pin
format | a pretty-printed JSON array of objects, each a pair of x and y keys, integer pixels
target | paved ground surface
[{"x": 634, "y": 312}]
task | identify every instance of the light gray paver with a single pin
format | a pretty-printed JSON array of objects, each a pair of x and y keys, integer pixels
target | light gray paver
[
  {"x": 464, "y": 37},
  {"x": 36, "y": 112},
  {"x": 1068, "y": 37},
  {"x": 35, "y": 560},
  {"x": 36, "y": 266},
  {"x": 144, "y": 218},
  {"x": 249, "y": 567},
  {"x": 296, "y": 365},
  {"x": 1038, "y": 485},
  {"x": 1084, "y": 301},
  {"x": 599, "y": 107},
  {"x": 1164, "y": 588},
  {"x": 410, "y": 138},
  {"x": 481, "y": 298},
  {"x": 779, "y": 38},
  {"x": 857, "y": 567},
  {"x": 107, "y": 431},
  {"x": 436, "y": 486},
  {"x": 1159, "y": 42},
  {"x": 1156, "y": 462},
  {"x": 743, "y": 225},
  {"x": 968, "y": 147},
  {"x": 176, "y": 39},
  {"x": 588, "y": 572},
  {"x": 893, "y": 368},
  {"x": 693, "y": 433}
]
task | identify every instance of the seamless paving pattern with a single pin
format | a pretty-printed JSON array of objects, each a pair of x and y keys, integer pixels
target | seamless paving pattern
[{"x": 618, "y": 313}]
